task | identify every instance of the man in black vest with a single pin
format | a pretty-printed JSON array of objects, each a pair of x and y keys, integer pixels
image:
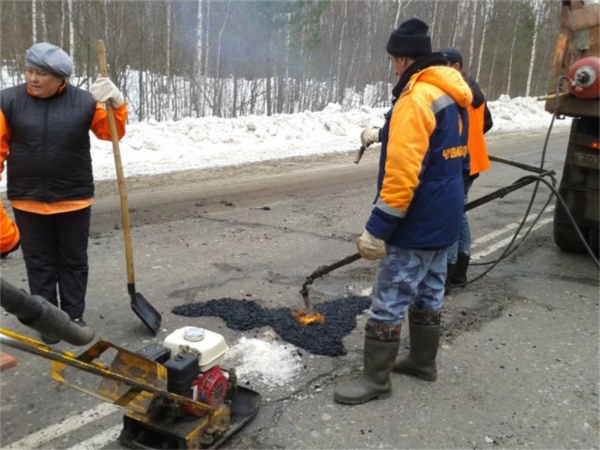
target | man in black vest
[{"x": 44, "y": 137}]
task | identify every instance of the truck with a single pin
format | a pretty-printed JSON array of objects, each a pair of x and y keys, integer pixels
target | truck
[{"x": 574, "y": 91}]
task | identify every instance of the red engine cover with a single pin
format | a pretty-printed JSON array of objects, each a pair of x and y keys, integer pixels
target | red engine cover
[
  {"x": 585, "y": 78},
  {"x": 209, "y": 388}
]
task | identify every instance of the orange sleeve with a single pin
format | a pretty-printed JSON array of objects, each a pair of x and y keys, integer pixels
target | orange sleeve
[
  {"x": 408, "y": 143},
  {"x": 4, "y": 140},
  {"x": 100, "y": 122},
  {"x": 480, "y": 160},
  {"x": 9, "y": 233}
]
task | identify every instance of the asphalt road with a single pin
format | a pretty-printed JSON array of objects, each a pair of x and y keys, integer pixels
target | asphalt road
[{"x": 519, "y": 358}]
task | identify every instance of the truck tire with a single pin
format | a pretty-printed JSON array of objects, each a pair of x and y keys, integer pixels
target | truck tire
[
  {"x": 579, "y": 189},
  {"x": 565, "y": 236},
  {"x": 594, "y": 241}
]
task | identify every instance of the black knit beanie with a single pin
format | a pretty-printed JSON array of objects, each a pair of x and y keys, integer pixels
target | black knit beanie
[{"x": 410, "y": 39}]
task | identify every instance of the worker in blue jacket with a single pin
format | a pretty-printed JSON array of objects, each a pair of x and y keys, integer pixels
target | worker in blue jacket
[{"x": 417, "y": 213}]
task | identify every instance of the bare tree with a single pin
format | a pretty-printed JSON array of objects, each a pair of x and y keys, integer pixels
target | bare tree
[
  {"x": 473, "y": 16},
  {"x": 487, "y": 11},
  {"x": 71, "y": 21},
  {"x": 33, "y": 22},
  {"x": 43, "y": 22},
  {"x": 536, "y": 27},
  {"x": 512, "y": 49},
  {"x": 175, "y": 59},
  {"x": 198, "y": 68},
  {"x": 217, "y": 102}
]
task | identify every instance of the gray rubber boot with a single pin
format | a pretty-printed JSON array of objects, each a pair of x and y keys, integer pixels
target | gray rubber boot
[
  {"x": 424, "y": 329},
  {"x": 374, "y": 382}
]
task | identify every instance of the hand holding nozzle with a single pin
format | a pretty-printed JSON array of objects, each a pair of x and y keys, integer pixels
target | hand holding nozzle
[
  {"x": 370, "y": 247},
  {"x": 306, "y": 299},
  {"x": 367, "y": 137},
  {"x": 359, "y": 154}
]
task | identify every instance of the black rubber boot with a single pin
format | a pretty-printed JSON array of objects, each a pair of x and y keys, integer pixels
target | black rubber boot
[
  {"x": 450, "y": 269},
  {"x": 379, "y": 355},
  {"x": 460, "y": 270},
  {"x": 424, "y": 329}
]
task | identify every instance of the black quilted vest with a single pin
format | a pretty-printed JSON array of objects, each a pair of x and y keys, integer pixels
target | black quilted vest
[{"x": 49, "y": 150}]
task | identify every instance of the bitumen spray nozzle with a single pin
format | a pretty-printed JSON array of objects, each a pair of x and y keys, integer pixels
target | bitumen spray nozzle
[{"x": 307, "y": 314}]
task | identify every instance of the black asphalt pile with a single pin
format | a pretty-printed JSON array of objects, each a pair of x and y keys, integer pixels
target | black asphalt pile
[{"x": 319, "y": 339}]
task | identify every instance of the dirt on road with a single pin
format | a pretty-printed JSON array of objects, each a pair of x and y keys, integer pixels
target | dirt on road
[{"x": 518, "y": 359}]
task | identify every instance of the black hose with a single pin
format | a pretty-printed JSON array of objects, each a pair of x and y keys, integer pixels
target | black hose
[
  {"x": 509, "y": 250},
  {"x": 42, "y": 316}
]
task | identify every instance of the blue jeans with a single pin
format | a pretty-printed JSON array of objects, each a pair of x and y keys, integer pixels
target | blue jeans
[
  {"x": 463, "y": 244},
  {"x": 408, "y": 277}
]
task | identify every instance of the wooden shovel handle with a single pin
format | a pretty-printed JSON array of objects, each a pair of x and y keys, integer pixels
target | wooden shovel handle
[{"x": 119, "y": 166}]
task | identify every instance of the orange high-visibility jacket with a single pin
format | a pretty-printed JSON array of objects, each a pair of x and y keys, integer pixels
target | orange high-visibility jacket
[
  {"x": 480, "y": 122},
  {"x": 477, "y": 146}
]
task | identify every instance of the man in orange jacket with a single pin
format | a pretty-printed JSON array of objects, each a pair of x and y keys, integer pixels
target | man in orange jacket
[
  {"x": 480, "y": 122},
  {"x": 45, "y": 143}
]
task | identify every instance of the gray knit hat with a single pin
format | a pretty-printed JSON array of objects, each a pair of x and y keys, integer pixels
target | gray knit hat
[{"x": 49, "y": 58}]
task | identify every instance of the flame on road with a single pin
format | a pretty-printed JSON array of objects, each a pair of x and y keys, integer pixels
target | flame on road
[{"x": 306, "y": 318}]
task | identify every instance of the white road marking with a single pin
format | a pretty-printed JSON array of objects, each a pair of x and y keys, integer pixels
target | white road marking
[
  {"x": 507, "y": 228},
  {"x": 495, "y": 234},
  {"x": 100, "y": 440},
  {"x": 66, "y": 426},
  {"x": 498, "y": 245}
]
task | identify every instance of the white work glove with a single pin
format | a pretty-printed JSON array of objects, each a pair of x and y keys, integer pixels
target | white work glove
[
  {"x": 369, "y": 136},
  {"x": 103, "y": 90},
  {"x": 370, "y": 247}
]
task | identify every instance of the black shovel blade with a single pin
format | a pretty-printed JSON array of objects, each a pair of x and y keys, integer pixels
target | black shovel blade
[{"x": 145, "y": 311}]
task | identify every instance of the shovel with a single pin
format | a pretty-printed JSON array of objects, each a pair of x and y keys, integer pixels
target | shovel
[{"x": 144, "y": 310}]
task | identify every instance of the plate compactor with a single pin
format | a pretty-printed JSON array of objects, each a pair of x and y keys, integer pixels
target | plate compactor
[
  {"x": 192, "y": 358},
  {"x": 177, "y": 394}
]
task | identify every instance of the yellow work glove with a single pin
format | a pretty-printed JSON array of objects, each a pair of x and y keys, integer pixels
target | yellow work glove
[{"x": 370, "y": 247}]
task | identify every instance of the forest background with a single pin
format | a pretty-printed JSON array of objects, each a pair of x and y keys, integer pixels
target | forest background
[{"x": 230, "y": 58}]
